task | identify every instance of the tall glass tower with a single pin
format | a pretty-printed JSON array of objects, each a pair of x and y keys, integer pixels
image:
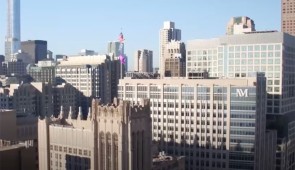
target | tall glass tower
[{"x": 12, "y": 39}]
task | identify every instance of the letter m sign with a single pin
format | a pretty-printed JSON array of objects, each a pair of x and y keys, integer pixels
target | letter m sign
[{"x": 242, "y": 93}]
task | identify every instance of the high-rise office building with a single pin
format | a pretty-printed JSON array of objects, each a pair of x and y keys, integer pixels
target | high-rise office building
[
  {"x": 28, "y": 99},
  {"x": 167, "y": 34},
  {"x": 288, "y": 17},
  {"x": 113, "y": 47},
  {"x": 143, "y": 61},
  {"x": 93, "y": 76},
  {"x": 12, "y": 39},
  {"x": 115, "y": 136},
  {"x": 14, "y": 68},
  {"x": 174, "y": 59},
  {"x": 240, "y": 25},
  {"x": 44, "y": 71},
  {"x": 214, "y": 123},
  {"x": 241, "y": 55},
  {"x": 36, "y": 49},
  {"x": 113, "y": 50}
]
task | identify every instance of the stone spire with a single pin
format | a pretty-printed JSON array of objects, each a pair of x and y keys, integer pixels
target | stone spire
[
  {"x": 61, "y": 114},
  {"x": 80, "y": 115},
  {"x": 89, "y": 116},
  {"x": 70, "y": 116}
]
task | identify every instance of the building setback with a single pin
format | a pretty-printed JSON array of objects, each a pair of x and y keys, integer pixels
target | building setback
[
  {"x": 117, "y": 136},
  {"x": 214, "y": 123}
]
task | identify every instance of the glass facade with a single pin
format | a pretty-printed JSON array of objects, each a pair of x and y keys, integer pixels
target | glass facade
[{"x": 240, "y": 58}]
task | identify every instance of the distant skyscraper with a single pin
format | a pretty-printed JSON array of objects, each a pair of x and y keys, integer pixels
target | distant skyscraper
[
  {"x": 113, "y": 47},
  {"x": 240, "y": 25},
  {"x": 174, "y": 59},
  {"x": 36, "y": 49},
  {"x": 167, "y": 34},
  {"x": 2, "y": 58},
  {"x": 12, "y": 39},
  {"x": 143, "y": 61},
  {"x": 288, "y": 17}
]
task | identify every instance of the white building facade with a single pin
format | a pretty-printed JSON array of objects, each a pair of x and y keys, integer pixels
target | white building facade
[
  {"x": 143, "y": 61},
  {"x": 241, "y": 55},
  {"x": 214, "y": 123}
]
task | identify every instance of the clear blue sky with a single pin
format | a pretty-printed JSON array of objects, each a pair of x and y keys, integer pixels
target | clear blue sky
[{"x": 71, "y": 25}]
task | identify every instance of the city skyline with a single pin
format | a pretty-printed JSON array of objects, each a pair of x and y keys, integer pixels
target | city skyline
[{"x": 68, "y": 31}]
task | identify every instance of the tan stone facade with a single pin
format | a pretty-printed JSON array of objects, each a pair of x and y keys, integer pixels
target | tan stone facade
[
  {"x": 115, "y": 137},
  {"x": 18, "y": 143},
  {"x": 288, "y": 16}
]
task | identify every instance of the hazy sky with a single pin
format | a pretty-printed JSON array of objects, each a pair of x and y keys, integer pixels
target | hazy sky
[{"x": 71, "y": 25}]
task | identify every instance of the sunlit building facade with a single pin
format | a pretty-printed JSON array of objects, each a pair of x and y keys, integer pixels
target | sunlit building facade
[{"x": 214, "y": 123}]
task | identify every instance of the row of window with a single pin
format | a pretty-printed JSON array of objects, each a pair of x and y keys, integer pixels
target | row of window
[{"x": 70, "y": 150}]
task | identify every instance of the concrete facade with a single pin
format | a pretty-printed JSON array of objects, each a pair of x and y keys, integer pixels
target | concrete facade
[
  {"x": 93, "y": 76},
  {"x": 18, "y": 143},
  {"x": 166, "y": 35},
  {"x": 28, "y": 99},
  {"x": 143, "y": 61},
  {"x": 14, "y": 68},
  {"x": 174, "y": 59},
  {"x": 115, "y": 137},
  {"x": 214, "y": 123},
  {"x": 44, "y": 71}
]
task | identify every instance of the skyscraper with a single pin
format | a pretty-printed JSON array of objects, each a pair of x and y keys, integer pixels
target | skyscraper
[
  {"x": 288, "y": 17},
  {"x": 167, "y": 34},
  {"x": 214, "y": 123},
  {"x": 36, "y": 49},
  {"x": 12, "y": 39},
  {"x": 113, "y": 47},
  {"x": 174, "y": 59},
  {"x": 241, "y": 55},
  {"x": 143, "y": 61},
  {"x": 240, "y": 25}
]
